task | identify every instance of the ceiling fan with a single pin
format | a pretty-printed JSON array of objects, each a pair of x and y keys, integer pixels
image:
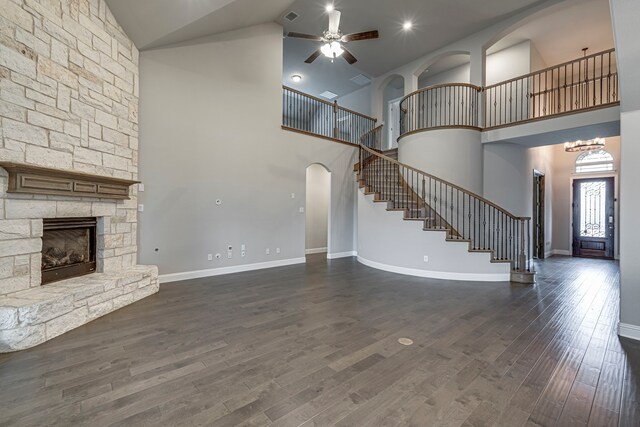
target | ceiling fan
[{"x": 333, "y": 40}]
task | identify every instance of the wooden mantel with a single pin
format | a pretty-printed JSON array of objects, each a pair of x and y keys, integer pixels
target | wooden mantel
[{"x": 28, "y": 179}]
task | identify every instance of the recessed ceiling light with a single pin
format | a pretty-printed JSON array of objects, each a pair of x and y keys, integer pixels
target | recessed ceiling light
[
  {"x": 329, "y": 7},
  {"x": 296, "y": 78},
  {"x": 407, "y": 25}
]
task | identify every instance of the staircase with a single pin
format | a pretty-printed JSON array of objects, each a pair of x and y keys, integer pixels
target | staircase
[{"x": 441, "y": 206}]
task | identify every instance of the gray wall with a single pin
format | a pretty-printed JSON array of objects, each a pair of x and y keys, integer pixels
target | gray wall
[
  {"x": 460, "y": 74},
  {"x": 387, "y": 241},
  {"x": 508, "y": 180},
  {"x": 626, "y": 15},
  {"x": 318, "y": 198},
  {"x": 210, "y": 129},
  {"x": 359, "y": 101}
]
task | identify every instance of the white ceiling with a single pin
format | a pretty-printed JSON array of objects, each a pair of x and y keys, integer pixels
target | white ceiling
[
  {"x": 436, "y": 23},
  {"x": 560, "y": 34},
  {"x": 155, "y": 23}
]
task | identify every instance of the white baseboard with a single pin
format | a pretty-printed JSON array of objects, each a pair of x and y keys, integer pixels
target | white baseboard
[
  {"x": 337, "y": 255},
  {"x": 561, "y": 252},
  {"x": 479, "y": 277},
  {"x": 629, "y": 331},
  {"x": 187, "y": 275},
  {"x": 315, "y": 251}
]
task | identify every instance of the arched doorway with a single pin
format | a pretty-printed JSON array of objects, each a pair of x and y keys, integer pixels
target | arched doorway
[{"x": 318, "y": 202}]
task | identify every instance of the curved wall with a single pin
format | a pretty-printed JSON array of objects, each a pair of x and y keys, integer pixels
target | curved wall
[
  {"x": 387, "y": 242},
  {"x": 454, "y": 155}
]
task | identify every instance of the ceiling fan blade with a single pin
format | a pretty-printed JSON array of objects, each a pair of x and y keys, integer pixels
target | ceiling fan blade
[
  {"x": 334, "y": 21},
  {"x": 304, "y": 36},
  {"x": 313, "y": 56},
  {"x": 354, "y": 37},
  {"x": 348, "y": 56}
]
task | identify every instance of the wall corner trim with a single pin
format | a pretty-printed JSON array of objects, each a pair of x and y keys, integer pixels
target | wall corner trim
[
  {"x": 627, "y": 330},
  {"x": 337, "y": 255},
  {"x": 444, "y": 275},
  {"x": 187, "y": 275}
]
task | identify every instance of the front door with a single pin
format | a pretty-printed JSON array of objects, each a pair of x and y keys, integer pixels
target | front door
[{"x": 593, "y": 217}]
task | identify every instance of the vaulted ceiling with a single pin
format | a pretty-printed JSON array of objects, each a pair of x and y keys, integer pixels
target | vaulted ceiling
[{"x": 436, "y": 23}]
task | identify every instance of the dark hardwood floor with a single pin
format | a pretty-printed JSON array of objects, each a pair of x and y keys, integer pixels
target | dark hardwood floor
[{"x": 317, "y": 345}]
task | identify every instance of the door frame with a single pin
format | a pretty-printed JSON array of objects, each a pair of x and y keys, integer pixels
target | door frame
[
  {"x": 389, "y": 127},
  {"x": 538, "y": 174},
  {"x": 616, "y": 211}
]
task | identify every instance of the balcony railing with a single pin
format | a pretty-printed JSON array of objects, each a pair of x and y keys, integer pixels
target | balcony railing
[
  {"x": 583, "y": 84},
  {"x": 586, "y": 83},
  {"x": 440, "y": 106},
  {"x": 307, "y": 114}
]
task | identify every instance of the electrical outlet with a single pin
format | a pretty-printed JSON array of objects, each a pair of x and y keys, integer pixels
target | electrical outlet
[
  {"x": 218, "y": 256},
  {"x": 140, "y": 186},
  {"x": 210, "y": 257},
  {"x": 243, "y": 253},
  {"x": 293, "y": 195},
  {"x": 140, "y": 208},
  {"x": 426, "y": 258},
  {"x": 229, "y": 254},
  {"x": 267, "y": 251},
  {"x": 277, "y": 250},
  {"x": 301, "y": 210},
  {"x": 243, "y": 248}
]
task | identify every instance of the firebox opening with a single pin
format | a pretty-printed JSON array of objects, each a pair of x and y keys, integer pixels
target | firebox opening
[{"x": 68, "y": 248}]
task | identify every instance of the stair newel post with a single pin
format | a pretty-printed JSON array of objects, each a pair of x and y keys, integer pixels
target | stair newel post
[
  {"x": 335, "y": 119},
  {"x": 529, "y": 244},
  {"x": 522, "y": 257}
]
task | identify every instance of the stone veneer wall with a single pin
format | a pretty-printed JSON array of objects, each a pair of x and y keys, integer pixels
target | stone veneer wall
[{"x": 68, "y": 100}]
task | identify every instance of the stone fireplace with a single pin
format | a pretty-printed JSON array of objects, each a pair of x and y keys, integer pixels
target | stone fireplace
[
  {"x": 68, "y": 248},
  {"x": 68, "y": 151}
]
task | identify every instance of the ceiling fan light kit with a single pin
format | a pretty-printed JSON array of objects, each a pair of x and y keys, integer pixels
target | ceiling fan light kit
[{"x": 333, "y": 41}]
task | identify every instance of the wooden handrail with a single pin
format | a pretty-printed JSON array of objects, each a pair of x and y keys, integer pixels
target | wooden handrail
[
  {"x": 457, "y": 187},
  {"x": 544, "y": 70},
  {"x": 428, "y": 88},
  {"x": 332, "y": 104}
]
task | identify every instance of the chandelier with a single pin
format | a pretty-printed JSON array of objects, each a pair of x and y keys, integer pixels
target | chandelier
[{"x": 579, "y": 145}]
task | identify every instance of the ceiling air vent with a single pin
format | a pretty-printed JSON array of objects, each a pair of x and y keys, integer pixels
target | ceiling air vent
[
  {"x": 361, "y": 80},
  {"x": 291, "y": 16},
  {"x": 329, "y": 95}
]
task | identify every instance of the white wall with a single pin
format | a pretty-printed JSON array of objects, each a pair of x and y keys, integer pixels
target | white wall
[
  {"x": 210, "y": 129},
  {"x": 359, "y": 101},
  {"x": 318, "y": 198},
  {"x": 454, "y": 155},
  {"x": 508, "y": 63}
]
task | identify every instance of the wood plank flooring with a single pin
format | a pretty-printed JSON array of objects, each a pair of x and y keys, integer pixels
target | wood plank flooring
[{"x": 317, "y": 345}]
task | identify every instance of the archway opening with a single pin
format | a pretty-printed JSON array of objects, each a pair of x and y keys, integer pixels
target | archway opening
[
  {"x": 317, "y": 216},
  {"x": 453, "y": 68},
  {"x": 392, "y": 95}
]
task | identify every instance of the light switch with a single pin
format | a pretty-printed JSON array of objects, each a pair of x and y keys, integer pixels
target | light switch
[{"x": 140, "y": 208}]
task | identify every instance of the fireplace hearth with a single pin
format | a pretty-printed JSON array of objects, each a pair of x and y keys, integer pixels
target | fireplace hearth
[{"x": 68, "y": 248}]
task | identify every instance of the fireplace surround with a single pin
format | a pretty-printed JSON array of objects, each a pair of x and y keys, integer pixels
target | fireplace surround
[{"x": 68, "y": 248}]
